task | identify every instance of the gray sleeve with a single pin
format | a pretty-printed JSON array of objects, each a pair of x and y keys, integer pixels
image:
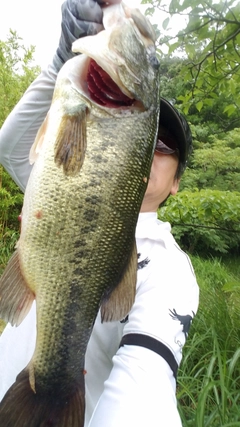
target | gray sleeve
[
  {"x": 19, "y": 130},
  {"x": 79, "y": 18}
]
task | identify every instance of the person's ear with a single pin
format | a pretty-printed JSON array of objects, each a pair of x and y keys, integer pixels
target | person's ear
[{"x": 175, "y": 187}]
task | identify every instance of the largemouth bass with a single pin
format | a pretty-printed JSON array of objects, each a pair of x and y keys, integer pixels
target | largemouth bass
[{"x": 76, "y": 251}]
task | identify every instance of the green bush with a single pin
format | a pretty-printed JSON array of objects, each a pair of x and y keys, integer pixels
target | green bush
[
  {"x": 204, "y": 222},
  {"x": 215, "y": 161},
  {"x": 11, "y": 199},
  {"x": 16, "y": 72}
]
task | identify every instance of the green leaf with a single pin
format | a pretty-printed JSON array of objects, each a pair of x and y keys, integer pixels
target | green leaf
[
  {"x": 173, "y": 47},
  {"x": 199, "y": 105},
  {"x": 230, "y": 109},
  {"x": 165, "y": 23},
  {"x": 231, "y": 286}
]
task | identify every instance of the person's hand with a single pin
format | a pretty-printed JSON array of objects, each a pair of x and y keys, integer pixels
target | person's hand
[{"x": 80, "y": 18}]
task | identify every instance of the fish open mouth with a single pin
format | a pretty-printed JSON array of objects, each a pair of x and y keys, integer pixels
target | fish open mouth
[{"x": 103, "y": 90}]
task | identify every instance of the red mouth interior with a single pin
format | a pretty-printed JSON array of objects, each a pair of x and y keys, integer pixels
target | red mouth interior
[{"x": 103, "y": 89}]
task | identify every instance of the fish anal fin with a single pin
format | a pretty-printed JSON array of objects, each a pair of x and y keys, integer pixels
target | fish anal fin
[
  {"x": 32, "y": 377},
  {"x": 71, "y": 142},
  {"x": 21, "y": 406},
  {"x": 15, "y": 296},
  {"x": 118, "y": 304}
]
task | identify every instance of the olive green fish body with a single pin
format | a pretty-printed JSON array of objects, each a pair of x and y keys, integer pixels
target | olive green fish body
[
  {"x": 80, "y": 233},
  {"x": 76, "y": 251}
]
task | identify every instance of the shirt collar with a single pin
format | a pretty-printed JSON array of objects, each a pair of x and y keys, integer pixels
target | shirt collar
[{"x": 150, "y": 227}]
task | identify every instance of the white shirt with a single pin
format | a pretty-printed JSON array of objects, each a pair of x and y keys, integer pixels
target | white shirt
[{"x": 136, "y": 378}]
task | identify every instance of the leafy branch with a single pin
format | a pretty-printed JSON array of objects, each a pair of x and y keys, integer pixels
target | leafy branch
[{"x": 209, "y": 44}]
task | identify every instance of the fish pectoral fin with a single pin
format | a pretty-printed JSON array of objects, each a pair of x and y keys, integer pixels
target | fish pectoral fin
[
  {"x": 16, "y": 297},
  {"x": 71, "y": 142},
  {"x": 118, "y": 303},
  {"x": 37, "y": 145}
]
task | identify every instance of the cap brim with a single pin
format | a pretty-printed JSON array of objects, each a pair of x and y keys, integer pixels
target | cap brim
[{"x": 170, "y": 119}]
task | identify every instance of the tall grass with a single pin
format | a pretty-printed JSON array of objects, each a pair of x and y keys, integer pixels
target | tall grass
[
  {"x": 209, "y": 387},
  {"x": 8, "y": 240},
  {"x": 209, "y": 376}
]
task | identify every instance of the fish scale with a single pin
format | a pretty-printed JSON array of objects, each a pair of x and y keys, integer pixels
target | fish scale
[
  {"x": 107, "y": 267},
  {"x": 77, "y": 250}
]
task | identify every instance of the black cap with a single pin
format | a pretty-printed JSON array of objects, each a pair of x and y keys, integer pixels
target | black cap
[{"x": 178, "y": 127}]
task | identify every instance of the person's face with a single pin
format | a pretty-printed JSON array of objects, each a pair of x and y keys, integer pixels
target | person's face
[{"x": 162, "y": 181}]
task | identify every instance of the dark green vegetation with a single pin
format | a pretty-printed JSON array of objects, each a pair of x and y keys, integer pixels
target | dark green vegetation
[
  {"x": 204, "y": 82},
  {"x": 201, "y": 75}
]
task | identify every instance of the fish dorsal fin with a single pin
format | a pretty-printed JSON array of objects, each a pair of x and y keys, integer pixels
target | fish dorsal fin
[
  {"x": 141, "y": 21},
  {"x": 15, "y": 296},
  {"x": 71, "y": 142},
  {"x": 37, "y": 145},
  {"x": 118, "y": 304}
]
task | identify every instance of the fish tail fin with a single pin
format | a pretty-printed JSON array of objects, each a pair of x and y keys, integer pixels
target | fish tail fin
[{"x": 21, "y": 406}]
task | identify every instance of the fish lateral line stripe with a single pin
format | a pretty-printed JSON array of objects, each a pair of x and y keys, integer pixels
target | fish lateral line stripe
[{"x": 150, "y": 343}]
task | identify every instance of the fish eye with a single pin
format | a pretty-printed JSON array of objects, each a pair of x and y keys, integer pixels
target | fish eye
[
  {"x": 151, "y": 53},
  {"x": 154, "y": 62}
]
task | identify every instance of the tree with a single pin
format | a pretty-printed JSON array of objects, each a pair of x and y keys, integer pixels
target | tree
[
  {"x": 211, "y": 43},
  {"x": 204, "y": 222},
  {"x": 215, "y": 163},
  {"x": 16, "y": 72}
]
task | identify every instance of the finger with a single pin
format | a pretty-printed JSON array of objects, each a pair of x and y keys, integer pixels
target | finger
[
  {"x": 109, "y": 2},
  {"x": 86, "y": 10}
]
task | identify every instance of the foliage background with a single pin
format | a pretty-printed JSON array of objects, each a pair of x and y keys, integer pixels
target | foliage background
[{"x": 200, "y": 75}]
